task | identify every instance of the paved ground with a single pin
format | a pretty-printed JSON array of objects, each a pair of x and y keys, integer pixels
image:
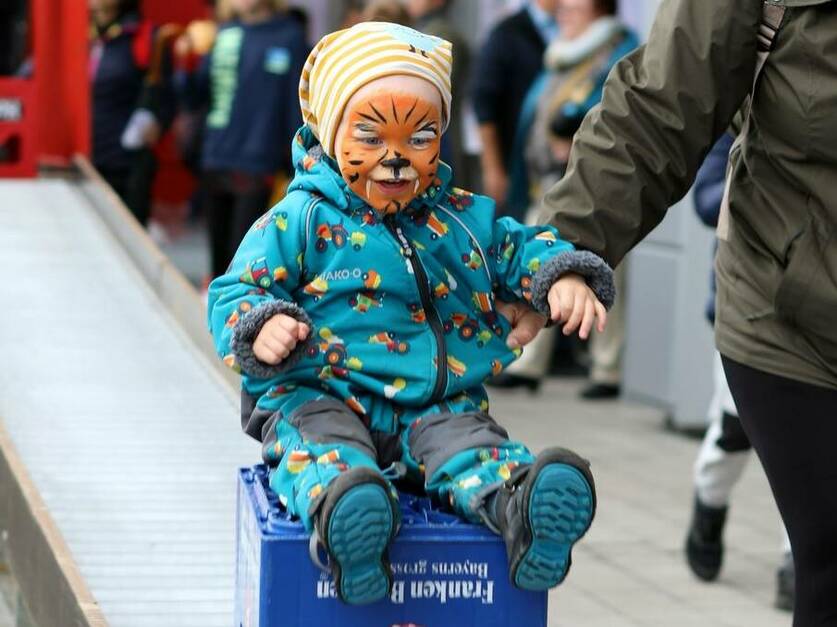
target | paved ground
[{"x": 629, "y": 571}]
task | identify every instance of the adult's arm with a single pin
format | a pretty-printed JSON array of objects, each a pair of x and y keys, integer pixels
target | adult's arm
[{"x": 663, "y": 107}]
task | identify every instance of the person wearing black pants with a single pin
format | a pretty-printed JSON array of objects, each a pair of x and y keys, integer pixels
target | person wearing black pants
[
  {"x": 248, "y": 84},
  {"x": 794, "y": 432},
  {"x": 233, "y": 201},
  {"x": 776, "y": 269}
]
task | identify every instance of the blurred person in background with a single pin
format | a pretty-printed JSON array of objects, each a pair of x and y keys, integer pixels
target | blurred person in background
[
  {"x": 249, "y": 82},
  {"x": 576, "y": 63},
  {"x": 13, "y": 29},
  {"x": 386, "y": 11},
  {"x": 431, "y": 17},
  {"x": 505, "y": 68},
  {"x": 726, "y": 447},
  {"x": 131, "y": 98},
  {"x": 303, "y": 18},
  {"x": 190, "y": 48},
  {"x": 352, "y": 13}
]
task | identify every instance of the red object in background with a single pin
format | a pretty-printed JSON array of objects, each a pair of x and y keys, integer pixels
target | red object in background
[
  {"x": 174, "y": 183},
  {"x": 181, "y": 12},
  {"x": 17, "y": 134},
  {"x": 46, "y": 118}
]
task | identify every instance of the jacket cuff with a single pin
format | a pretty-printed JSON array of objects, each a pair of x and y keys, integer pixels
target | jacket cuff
[
  {"x": 248, "y": 329},
  {"x": 589, "y": 265}
]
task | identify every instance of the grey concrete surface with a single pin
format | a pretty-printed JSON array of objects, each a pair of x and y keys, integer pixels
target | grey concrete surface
[{"x": 131, "y": 439}]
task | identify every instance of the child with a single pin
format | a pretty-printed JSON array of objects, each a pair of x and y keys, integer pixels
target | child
[
  {"x": 361, "y": 312},
  {"x": 131, "y": 101},
  {"x": 248, "y": 82}
]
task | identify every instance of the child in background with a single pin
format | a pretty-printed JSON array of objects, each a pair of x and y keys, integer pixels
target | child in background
[
  {"x": 249, "y": 81},
  {"x": 361, "y": 312},
  {"x": 131, "y": 98}
]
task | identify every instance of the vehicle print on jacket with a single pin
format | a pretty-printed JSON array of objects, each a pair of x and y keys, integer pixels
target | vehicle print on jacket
[
  {"x": 278, "y": 218},
  {"x": 417, "y": 314},
  {"x": 367, "y": 298},
  {"x": 316, "y": 288},
  {"x": 334, "y": 353},
  {"x": 243, "y": 307},
  {"x": 257, "y": 273},
  {"x": 388, "y": 339},
  {"x": 460, "y": 199},
  {"x": 394, "y": 388},
  {"x": 483, "y": 302},
  {"x": 334, "y": 233},
  {"x": 472, "y": 260},
  {"x": 280, "y": 274}
]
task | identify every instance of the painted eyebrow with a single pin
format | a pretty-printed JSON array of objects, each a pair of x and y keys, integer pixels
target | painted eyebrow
[
  {"x": 430, "y": 126},
  {"x": 363, "y": 127},
  {"x": 367, "y": 117}
]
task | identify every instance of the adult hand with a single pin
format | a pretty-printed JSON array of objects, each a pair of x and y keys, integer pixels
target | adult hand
[
  {"x": 526, "y": 322},
  {"x": 278, "y": 337}
]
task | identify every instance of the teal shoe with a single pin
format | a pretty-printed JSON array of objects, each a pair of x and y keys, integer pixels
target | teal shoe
[
  {"x": 542, "y": 514},
  {"x": 355, "y": 524}
]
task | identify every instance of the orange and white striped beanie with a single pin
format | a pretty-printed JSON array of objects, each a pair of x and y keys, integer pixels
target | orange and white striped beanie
[{"x": 344, "y": 61}]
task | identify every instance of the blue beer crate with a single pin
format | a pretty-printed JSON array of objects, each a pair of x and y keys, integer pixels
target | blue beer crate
[{"x": 447, "y": 573}]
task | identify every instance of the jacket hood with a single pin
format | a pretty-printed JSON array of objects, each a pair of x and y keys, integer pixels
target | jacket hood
[{"x": 317, "y": 173}]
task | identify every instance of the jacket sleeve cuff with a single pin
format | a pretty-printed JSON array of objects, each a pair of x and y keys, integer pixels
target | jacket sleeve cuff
[
  {"x": 589, "y": 265},
  {"x": 248, "y": 329}
]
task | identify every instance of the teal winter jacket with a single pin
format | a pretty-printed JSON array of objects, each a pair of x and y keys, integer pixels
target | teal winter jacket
[{"x": 401, "y": 308}]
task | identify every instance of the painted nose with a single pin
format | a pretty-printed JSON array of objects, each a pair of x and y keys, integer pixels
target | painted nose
[{"x": 397, "y": 164}]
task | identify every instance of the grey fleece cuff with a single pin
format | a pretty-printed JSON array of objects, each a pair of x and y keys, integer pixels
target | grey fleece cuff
[
  {"x": 589, "y": 265},
  {"x": 248, "y": 329}
]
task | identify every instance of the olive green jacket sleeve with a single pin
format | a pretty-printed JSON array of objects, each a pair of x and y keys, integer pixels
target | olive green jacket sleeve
[{"x": 663, "y": 108}]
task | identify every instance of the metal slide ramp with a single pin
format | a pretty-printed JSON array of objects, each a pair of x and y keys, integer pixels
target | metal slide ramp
[{"x": 128, "y": 433}]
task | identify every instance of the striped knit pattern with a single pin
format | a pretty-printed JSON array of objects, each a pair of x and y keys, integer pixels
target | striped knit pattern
[{"x": 344, "y": 61}]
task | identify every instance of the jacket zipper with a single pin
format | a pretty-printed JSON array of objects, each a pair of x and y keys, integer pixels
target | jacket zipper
[{"x": 429, "y": 308}]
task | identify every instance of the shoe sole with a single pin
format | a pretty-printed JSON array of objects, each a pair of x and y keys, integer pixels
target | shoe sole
[
  {"x": 360, "y": 527},
  {"x": 560, "y": 511}
]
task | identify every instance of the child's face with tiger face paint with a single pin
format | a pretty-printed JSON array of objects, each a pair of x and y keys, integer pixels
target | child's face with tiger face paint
[{"x": 387, "y": 144}]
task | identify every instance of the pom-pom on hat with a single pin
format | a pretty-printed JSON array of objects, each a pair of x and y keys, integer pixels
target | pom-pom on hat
[{"x": 344, "y": 61}]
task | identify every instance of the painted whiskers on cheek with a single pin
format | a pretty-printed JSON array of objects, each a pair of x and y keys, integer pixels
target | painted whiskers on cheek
[{"x": 386, "y": 143}]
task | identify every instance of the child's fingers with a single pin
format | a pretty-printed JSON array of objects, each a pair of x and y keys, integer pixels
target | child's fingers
[
  {"x": 554, "y": 305},
  {"x": 279, "y": 347},
  {"x": 575, "y": 317},
  {"x": 302, "y": 331},
  {"x": 601, "y": 314},
  {"x": 588, "y": 320},
  {"x": 568, "y": 300},
  {"x": 265, "y": 354},
  {"x": 289, "y": 324},
  {"x": 282, "y": 336}
]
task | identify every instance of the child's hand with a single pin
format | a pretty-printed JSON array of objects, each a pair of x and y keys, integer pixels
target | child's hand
[
  {"x": 278, "y": 337},
  {"x": 573, "y": 303}
]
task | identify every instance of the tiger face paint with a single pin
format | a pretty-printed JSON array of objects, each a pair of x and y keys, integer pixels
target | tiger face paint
[{"x": 387, "y": 144}]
